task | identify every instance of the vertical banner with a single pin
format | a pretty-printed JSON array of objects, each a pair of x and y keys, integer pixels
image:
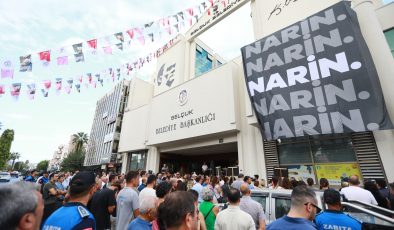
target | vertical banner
[{"x": 315, "y": 77}]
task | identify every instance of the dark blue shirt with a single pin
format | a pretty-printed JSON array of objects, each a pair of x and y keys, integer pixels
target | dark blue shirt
[
  {"x": 30, "y": 179},
  {"x": 73, "y": 216},
  {"x": 331, "y": 219},
  {"x": 139, "y": 224},
  {"x": 142, "y": 186},
  {"x": 289, "y": 223}
]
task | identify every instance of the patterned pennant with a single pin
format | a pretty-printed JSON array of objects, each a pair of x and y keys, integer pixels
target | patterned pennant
[
  {"x": 31, "y": 90},
  {"x": 120, "y": 46},
  {"x": 62, "y": 60},
  {"x": 15, "y": 89},
  {"x": 26, "y": 65},
  {"x": 180, "y": 14},
  {"x": 79, "y": 57},
  {"x": 89, "y": 77},
  {"x": 151, "y": 36},
  {"x": 107, "y": 49},
  {"x": 69, "y": 86},
  {"x": 58, "y": 84},
  {"x": 2, "y": 89},
  {"x": 7, "y": 71},
  {"x": 45, "y": 55},
  {"x": 92, "y": 43},
  {"x": 77, "y": 48},
  {"x": 47, "y": 84},
  {"x": 78, "y": 87},
  {"x": 44, "y": 92},
  {"x": 147, "y": 25},
  {"x": 119, "y": 36},
  {"x": 130, "y": 33}
]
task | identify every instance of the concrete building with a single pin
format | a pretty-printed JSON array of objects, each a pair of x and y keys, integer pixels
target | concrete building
[
  {"x": 58, "y": 156},
  {"x": 196, "y": 108},
  {"x": 104, "y": 137}
]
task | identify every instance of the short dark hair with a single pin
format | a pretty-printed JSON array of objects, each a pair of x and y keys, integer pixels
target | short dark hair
[
  {"x": 332, "y": 197},
  {"x": 194, "y": 194},
  {"x": 81, "y": 183},
  {"x": 310, "y": 181},
  {"x": 51, "y": 175},
  {"x": 131, "y": 175},
  {"x": 301, "y": 194},
  {"x": 323, "y": 182},
  {"x": 246, "y": 178},
  {"x": 198, "y": 179},
  {"x": 163, "y": 189},
  {"x": 143, "y": 172},
  {"x": 111, "y": 177},
  {"x": 240, "y": 175},
  {"x": 33, "y": 171},
  {"x": 173, "y": 210},
  {"x": 391, "y": 185},
  {"x": 234, "y": 195},
  {"x": 275, "y": 179},
  {"x": 151, "y": 179},
  {"x": 382, "y": 183}
]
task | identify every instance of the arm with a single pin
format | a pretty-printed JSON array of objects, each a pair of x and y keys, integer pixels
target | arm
[
  {"x": 262, "y": 224},
  {"x": 203, "y": 226},
  {"x": 261, "y": 218},
  {"x": 52, "y": 191},
  {"x": 215, "y": 210}
]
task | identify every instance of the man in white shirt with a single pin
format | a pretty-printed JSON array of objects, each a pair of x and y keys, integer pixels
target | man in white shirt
[
  {"x": 198, "y": 187},
  {"x": 148, "y": 190},
  {"x": 354, "y": 192},
  {"x": 233, "y": 217}
]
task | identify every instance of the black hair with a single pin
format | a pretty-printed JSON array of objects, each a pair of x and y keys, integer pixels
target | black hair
[
  {"x": 323, "y": 182},
  {"x": 275, "y": 180},
  {"x": 332, "y": 197},
  {"x": 198, "y": 179},
  {"x": 131, "y": 175},
  {"x": 234, "y": 195},
  {"x": 151, "y": 179},
  {"x": 163, "y": 189},
  {"x": 310, "y": 181},
  {"x": 111, "y": 177},
  {"x": 171, "y": 213},
  {"x": 381, "y": 182},
  {"x": 194, "y": 194}
]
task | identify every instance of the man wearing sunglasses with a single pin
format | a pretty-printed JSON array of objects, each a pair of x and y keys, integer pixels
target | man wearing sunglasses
[
  {"x": 333, "y": 217},
  {"x": 302, "y": 211}
]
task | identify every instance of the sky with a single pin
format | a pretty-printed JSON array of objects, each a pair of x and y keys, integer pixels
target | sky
[{"x": 29, "y": 27}]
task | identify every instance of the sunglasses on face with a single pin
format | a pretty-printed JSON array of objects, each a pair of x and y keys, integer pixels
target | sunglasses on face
[{"x": 318, "y": 210}]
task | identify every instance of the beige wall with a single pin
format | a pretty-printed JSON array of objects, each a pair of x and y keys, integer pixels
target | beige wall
[{"x": 386, "y": 16}]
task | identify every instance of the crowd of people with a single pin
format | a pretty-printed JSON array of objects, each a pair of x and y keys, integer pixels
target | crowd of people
[{"x": 139, "y": 200}]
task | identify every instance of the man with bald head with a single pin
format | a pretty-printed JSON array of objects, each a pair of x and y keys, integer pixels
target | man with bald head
[
  {"x": 253, "y": 208},
  {"x": 355, "y": 192}
]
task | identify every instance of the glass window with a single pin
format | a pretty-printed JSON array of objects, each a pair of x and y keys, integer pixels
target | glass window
[
  {"x": 333, "y": 150},
  {"x": 261, "y": 199},
  {"x": 282, "y": 207},
  {"x": 137, "y": 161},
  {"x": 203, "y": 62},
  {"x": 294, "y": 153},
  {"x": 390, "y": 39}
]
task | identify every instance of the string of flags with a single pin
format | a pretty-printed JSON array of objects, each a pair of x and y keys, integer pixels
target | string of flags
[
  {"x": 149, "y": 32},
  {"x": 88, "y": 80}
]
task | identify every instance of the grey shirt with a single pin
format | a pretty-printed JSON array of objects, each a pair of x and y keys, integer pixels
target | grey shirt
[
  {"x": 126, "y": 202},
  {"x": 253, "y": 208}
]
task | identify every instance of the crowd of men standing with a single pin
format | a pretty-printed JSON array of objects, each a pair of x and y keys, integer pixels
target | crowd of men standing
[{"x": 138, "y": 200}]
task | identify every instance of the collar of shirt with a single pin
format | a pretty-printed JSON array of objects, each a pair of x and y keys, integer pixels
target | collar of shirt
[
  {"x": 233, "y": 207},
  {"x": 70, "y": 204}
]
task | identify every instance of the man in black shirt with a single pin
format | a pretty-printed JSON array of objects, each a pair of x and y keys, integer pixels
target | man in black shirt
[{"x": 103, "y": 204}]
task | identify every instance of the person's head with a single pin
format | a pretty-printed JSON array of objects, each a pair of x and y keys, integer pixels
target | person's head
[
  {"x": 248, "y": 179},
  {"x": 324, "y": 183},
  {"x": 53, "y": 177},
  {"x": 286, "y": 184},
  {"x": 163, "y": 189},
  {"x": 132, "y": 178},
  {"x": 22, "y": 206},
  {"x": 304, "y": 202},
  {"x": 199, "y": 179},
  {"x": 275, "y": 180},
  {"x": 234, "y": 196},
  {"x": 174, "y": 183},
  {"x": 207, "y": 194},
  {"x": 225, "y": 179},
  {"x": 256, "y": 183},
  {"x": 111, "y": 177},
  {"x": 178, "y": 211},
  {"x": 333, "y": 199},
  {"x": 142, "y": 173},
  {"x": 177, "y": 175},
  {"x": 98, "y": 183},
  {"x": 344, "y": 184},
  {"x": 181, "y": 186},
  {"x": 354, "y": 180},
  {"x": 241, "y": 176},
  {"x": 151, "y": 180},
  {"x": 116, "y": 185},
  {"x": 159, "y": 176},
  {"x": 60, "y": 178},
  {"x": 148, "y": 207},
  {"x": 104, "y": 179},
  {"x": 207, "y": 180},
  {"x": 371, "y": 186},
  {"x": 33, "y": 173},
  {"x": 310, "y": 181},
  {"x": 381, "y": 183},
  {"x": 391, "y": 186},
  {"x": 256, "y": 177},
  {"x": 45, "y": 174},
  {"x": 263, "y": 182},
  {"x": 194, "y": 193},
  {"x": 245, "y": 190},
  {"x": 82, "y": 186}
]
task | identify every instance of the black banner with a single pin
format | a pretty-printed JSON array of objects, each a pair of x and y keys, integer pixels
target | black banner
[{"x": 315, "y": 77}]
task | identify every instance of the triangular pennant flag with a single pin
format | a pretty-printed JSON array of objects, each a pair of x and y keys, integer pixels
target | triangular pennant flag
[
  {"x": 15, "y": 89},
  {"x": 176, "y": 17},
  {"x": 130, "y": 33},
  {"x": 224, "y": 3},
  {"x": 89, "y": 77},
  {"x": 44, "y": 92},
  {"x": 120, "y": 46},
  {"x": 31, "y": 90},
  {"x": 118, "y": 73},
  {"x": 80, "y": 79},
  {"x": 190, "y": 11},
  {"x": 45, "y": 55},
  {"x": 78, "y": 87},
  {"x": 62, "y": 60},
  {"x": 180, "y": 14},
  {"x": 7, "y": 70},
  {"x": 119, "y": 36},
  {"x": 58, "y": 84},
  {"x": 169, "y": 30},
  {"x": 70, "y": 82},
  {"x": 164, "y": 22},
  {"x": 211, "y": 1},
  {"x": 176, "y": 26},
  {"x": 147, "y": 25},
  {"x": 151, "y": 37},
  {"x": 2, "y": 89},
  {"x": 92, "y": 43},
  {"x": 107, "y": 49},
  {"x": 26, "y": 65},
  {"x": 142, "y": 40},
  {"x": 47, "y": 84},
  {"x": 77, "y": 48},
  {"x": 79, "y": 57}
]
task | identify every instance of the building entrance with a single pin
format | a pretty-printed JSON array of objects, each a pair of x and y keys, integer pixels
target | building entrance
[{"x": 218, "y": 159}]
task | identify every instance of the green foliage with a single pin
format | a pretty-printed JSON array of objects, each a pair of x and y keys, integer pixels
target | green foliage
[
  {"x": 43, "y": 165},
  {"x": 74, "y": 161},
  {"x": 5, "y": 145},
  {"x": 21, "y": 166},
  {"x": 79, "y": 139}
]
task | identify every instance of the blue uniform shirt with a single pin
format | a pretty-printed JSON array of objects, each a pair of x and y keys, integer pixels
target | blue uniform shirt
[
  {"x": 331, "y": 219},
  {"x": 30, "y": 179},
  {"x": 73, "y": 216},
  {"x": 139, "y": 224},
  {"x": 290, "y": 223}
]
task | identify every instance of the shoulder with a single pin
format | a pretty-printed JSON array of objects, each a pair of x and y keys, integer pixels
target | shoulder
[
  {"x": 87, "y": 223},
  {"x": 354, "y": 220}
]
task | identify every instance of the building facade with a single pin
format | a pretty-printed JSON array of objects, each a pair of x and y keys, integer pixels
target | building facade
[
  {"x": 104, "y": 136},
  {"x": 197, "y": 110}
]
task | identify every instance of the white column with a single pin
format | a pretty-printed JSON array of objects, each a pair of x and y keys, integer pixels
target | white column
[
  {"x": 384, "y": 141},
  {"x": 124, "y": 162},
  {"x": 153, "y": 159}
]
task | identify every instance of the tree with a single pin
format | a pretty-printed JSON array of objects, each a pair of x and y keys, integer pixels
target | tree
[
  {"x": 14, "y": 156},
  {"x": 79, "y": 139},
  {"x": 43, "y": 165},
  {"x": 5, "y": 145},
  {"x": 74, "y": 161},
  {"x": 21, "y": 166}
]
